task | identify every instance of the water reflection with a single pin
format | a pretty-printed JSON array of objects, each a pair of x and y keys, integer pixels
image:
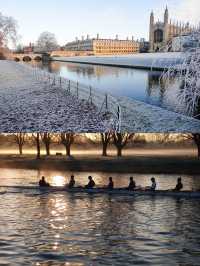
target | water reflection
[
  {"x": 25, "y": 177},
  {"x": 138, "y": 84},
  {"x": 62, "y": 229}
]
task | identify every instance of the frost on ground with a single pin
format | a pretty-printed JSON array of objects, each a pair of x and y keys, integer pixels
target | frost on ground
[
  {"x": 28, "y": 105},
  {"x": 141, "y": 117}
]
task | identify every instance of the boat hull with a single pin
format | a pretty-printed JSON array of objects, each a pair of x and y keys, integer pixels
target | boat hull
[{"x": 120, "y": 192}]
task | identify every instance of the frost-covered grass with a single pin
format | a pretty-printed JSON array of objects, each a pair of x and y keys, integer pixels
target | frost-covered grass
[{"x": 29, "y": 105}]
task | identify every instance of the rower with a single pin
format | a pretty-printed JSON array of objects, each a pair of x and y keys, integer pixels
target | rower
[
  {"x": 179, "y": 185},
  {"x": 71, "y": 182},
  {"x": 110, "y": 184},
  {"x": 43, "y": 183},
  {"x": 132, "y": 184},
  {"x": 153, "y": 185},
  {"x": 91, "y": 184}
]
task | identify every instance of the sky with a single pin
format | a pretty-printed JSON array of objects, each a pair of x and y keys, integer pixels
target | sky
[{"x": 68, "y": 19}]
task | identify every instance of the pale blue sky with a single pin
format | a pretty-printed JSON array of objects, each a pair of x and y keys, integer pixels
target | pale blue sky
[{"x": 68, "y": 19}]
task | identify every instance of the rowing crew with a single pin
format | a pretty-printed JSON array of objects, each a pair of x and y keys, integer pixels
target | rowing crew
[{"x": 132, "y": 184}]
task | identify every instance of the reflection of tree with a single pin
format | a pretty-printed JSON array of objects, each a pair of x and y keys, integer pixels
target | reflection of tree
[
  {"x": 88, "y": 70},
  {"x": 156, "y": 86}
]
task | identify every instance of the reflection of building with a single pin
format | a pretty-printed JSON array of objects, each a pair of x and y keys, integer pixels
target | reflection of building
[
  {"x": 161, "y": 33},
  {"x": 71, "y": 53},
  {"x": 104, "y": 46}
]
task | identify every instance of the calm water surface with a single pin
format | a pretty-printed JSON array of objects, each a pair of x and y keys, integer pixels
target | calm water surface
[
  {"x": 142, "y": 85},
  {"x": 61, "y": 229}
]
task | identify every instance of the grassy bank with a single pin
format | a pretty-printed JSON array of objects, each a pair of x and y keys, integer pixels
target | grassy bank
[{"x": 127, "y": 164}]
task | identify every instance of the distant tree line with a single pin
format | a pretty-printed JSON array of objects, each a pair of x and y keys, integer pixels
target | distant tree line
[{"x": 119, "y": 140}]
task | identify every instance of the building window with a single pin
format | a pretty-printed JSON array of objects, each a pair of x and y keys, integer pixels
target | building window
[{"x": 158, "y": 36}]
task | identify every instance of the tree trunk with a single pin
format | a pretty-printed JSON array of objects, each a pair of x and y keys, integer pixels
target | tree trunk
[
  {"x": 198, "y": 146},
  {"x": 20, "y": 150},
  {"x": 68, "y": 151},
  {"x": 119, "y": 151},
  {"x": 38, "y": 146},
  {"x": 104, "y": 153},
  {"x": 47, "y": 146}
]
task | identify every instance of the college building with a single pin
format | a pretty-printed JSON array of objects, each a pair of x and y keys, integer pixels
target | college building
[
  {"x": 162, "y": 33},
  {"x": 98, "y": 46}
]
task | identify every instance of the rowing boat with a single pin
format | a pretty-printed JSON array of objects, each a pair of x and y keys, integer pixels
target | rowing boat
[{"x": 117, "y": 191}]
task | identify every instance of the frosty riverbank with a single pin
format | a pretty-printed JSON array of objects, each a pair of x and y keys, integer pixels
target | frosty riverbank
[
  {"x": 27, "y": 104},
  {"x": 154, "y": 61}
]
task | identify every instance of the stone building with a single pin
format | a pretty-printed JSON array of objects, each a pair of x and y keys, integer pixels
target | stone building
[
  {"x": 98, "y": 46},
  {"x": 162, "y": 33}
]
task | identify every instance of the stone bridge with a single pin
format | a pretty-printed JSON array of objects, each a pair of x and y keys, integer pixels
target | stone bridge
[{"x": 27, "y": 57}]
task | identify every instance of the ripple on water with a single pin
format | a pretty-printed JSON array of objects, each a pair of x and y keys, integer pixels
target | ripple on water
[{"x": 55, "y": 229}]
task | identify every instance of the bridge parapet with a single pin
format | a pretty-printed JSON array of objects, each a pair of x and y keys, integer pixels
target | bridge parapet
[{"x": 25, "y": 57}]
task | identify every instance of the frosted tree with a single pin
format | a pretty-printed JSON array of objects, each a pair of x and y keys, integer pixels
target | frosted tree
[
  {"x": 67, "y": 139},
  {"x": 47, "y": 42},
  {"x": 187, "y": 78},
  {"x": 8, "y": 30},
  {"x": 120, "y": 140},
  {"x": 105, "y": 139},
  {"x": 20, "y": 140},
  {"x": 47, "y": 140}
]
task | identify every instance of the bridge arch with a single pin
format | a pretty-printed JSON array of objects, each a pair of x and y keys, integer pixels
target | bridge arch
[
  {"x": 16, "y": 59},
  {"x": 27, "y": 58},
  {"x": 38, "y": 58}
]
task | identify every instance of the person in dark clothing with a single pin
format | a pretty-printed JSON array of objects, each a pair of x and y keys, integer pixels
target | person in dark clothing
[
  {"x": 132, "y": 184},
  {"x": 43, "y": 183},
  {"x": 91, "y": 183},
  {"x": 111, "y": 184},
  {"x": 153, "y": 184},
  {"x": 72, "y": 182},
  {"x": 179, "y": 185}
]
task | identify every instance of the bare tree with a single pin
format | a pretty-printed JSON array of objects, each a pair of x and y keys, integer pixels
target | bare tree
[
  {"x": 47, "y": 139},
  {"x": 47, "y": 42},
  {"x": 195, "y": 137},
  {"x": 8, "y": 30},
  {"x": 67, "y": 139},
  {"x": 105, "y": 139},
  {"x": 36, "y": 138},
  {"x": 20, "y": 140},
  {"x": 120, "y": 140}
]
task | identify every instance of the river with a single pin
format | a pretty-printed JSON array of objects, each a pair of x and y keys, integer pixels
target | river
[
  {"x": 61, "y": 229},
  {"x": 138, "y": 84}
]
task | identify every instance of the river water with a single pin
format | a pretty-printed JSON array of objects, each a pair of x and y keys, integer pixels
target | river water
[
  {"x": 142, "y": 85},
  {"x": 61, "y": 229}
]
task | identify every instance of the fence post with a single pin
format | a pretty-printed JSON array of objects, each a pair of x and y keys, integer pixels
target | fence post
[
  {"x": 106, "y": 101},
  {"x": 69, "y": 85},
  {"x": 91, "y": 94},
  {"x": 118, "y": 112},
  {"x": 118, "y": 117},
  {"x": 77, "y": 90},
  {"x": 54, "y": 81}
]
